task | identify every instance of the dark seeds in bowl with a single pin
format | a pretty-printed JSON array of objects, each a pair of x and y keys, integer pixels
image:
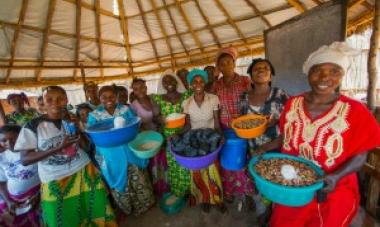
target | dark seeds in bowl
[{"x": 249, "y": 123}]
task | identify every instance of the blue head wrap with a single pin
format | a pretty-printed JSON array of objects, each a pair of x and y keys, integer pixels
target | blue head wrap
[{"x": 197, "y": 72}]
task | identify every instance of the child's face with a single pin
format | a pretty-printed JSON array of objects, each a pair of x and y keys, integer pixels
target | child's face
[
  {"x": 8, "y": 140},
  {"x": 108, "y": 99},
  {"x": 55, "y": 102},
  {"x": 17, "y": 103},
  {"x": 83, "y": 114},
  {"x": 122, "y": 97}
]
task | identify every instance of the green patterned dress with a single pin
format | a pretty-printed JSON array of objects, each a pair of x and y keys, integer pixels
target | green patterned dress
[
  {"x": 21, "y": 119},
  {"x": 179, "y": 177}
]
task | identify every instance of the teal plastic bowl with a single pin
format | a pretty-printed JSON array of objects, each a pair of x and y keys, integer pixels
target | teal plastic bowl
[
  {"x": 174, "y": 208},
  {"x": 285, "y": 195},
  {"x": 143, "y": 138}
]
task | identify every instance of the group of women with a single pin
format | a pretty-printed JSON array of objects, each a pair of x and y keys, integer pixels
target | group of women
[{"x": 320, "y": 125}]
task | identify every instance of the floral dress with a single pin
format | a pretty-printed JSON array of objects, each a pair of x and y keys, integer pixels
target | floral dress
[
  {"x": 21, "y": 118},
  {"x": 178, "y": 177}
]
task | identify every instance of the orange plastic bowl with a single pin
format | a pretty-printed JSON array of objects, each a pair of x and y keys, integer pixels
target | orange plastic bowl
[
  {"x": 176, "y": 122},
  {"x": 252, "y": 132}
]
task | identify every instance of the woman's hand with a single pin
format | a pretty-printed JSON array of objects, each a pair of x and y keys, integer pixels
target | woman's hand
[{"x": 330, "y": 181}]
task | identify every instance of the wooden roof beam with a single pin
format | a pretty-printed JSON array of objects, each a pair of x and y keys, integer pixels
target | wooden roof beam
[
  {"x": 258, "y": 12},
  {"x": 363, "y": 18},
  {"x": 298, "y": 5},
  {"x": 124, "y": 29},
  {"x": 148, "y": 32},
  {"x": 164, "y": 33},
  {"x": 99, "y": 35},
  {"x": 45, "y": 39},
  {"x": 175, "y": 29},
  {"x": 230, "y": 20},
  {"x": 189, "y": 26},
  {"x": 354, "y": 3},
  {"x": 317, "y": 2},
  {"x": 21, "y": 18},
  {"x": 77, "y": 29},
  {"x": 214, "y": 36}
]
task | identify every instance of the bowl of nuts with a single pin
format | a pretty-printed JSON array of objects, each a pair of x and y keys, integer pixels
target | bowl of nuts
[
  {"x": 286, "y": 179},
  {"x": 250, "y": 126}
]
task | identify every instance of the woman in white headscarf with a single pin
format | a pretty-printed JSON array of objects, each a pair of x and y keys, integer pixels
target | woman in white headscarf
[
  {"x": 326, "y": 127},
  {"x": 170, "y": 95}
]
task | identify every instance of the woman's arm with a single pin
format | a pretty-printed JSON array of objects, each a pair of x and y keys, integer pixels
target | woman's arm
[
  {"x": 4, "y": 194},
  {"x": 32, "y": 156},
  {"x": 274, "y": 144},
  {"x": 351, "y": 166}
]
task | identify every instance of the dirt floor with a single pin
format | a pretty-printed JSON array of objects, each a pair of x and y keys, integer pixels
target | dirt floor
[{"x": 194, "y": 217}]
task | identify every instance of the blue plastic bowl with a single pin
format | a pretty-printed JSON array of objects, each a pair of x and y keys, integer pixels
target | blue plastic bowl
[
  {"x": 233, "y": 155},
  {"x": 285, "y": 195},
  {"x": 103, "y": 134},
  {"x": 146, "y": 137}
]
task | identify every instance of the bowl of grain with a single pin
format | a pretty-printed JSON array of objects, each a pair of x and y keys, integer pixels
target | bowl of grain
[
  {"x": 146, "y": 144},
  {"x": 250, "y": 126}
]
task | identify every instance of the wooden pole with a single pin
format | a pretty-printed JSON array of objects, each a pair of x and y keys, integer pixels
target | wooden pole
[{"x": 372, "y": 59}]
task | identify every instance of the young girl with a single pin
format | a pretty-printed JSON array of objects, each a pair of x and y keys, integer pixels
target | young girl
[
  {"x": 202, "y": 110},
  {"x": 72, "y": 190},
  {"x": 20, "y": 115},
  {"x": 19, "y": 185},
  {"x": 149, "y": 112},
  {"x": 130, "y": 184},
  {"x": 91, "y": 93},
  {"x": 82, "y": 113}
]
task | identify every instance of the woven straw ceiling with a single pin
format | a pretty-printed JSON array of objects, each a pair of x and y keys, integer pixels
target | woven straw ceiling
[{"x": 50, "y": 41}]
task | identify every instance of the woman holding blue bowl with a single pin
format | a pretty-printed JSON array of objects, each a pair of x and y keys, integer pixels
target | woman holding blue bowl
[{"x": 325, "y": 127}]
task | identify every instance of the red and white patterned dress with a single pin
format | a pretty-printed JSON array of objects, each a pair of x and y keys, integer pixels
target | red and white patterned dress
[{"x": 347, "y": 129}]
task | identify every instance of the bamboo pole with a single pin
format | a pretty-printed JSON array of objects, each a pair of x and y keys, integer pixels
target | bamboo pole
[
  {"x": 124, "y": 29},
  {"x": 21, "y": 18},
  {"x": 188, "y": 24},
  {"x": 258, "y": 12},
  {"x": 317, "y": 2},
  {"x": 354, "y": 3},
  {"x": 99, "y": 36},
  {"x": 298, "y": 5},
  {"x": 77, "y": 29},
  {"x": 148, "y": 32},
  {"x": 214, "y": 36},
  {"x": 175, "y": 29},
  {"x": 164, "y": 33},
  {"x": 372, "y": 59}
]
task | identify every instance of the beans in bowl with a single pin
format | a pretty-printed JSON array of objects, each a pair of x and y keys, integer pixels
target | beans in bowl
[{"x": 249, "y": 123}]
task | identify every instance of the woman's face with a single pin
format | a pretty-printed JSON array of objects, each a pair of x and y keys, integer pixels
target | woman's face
[
  {"x": 92, "y": 92},
  {"x": 122, "y": 96},
  {"x": 325, "y": 78},
  {"x": 261, "y": 73},
  {"x": 108, "y": 99},
  {"x": 8, "y": 140},
  {"x": 210, "y": 72},
  {"x": 198, "y": 84},
  {"x": 139, "y": 89},
  {"x": 55, "y": 102},
  {"x": 17, "y": 103},
  {"x": 226, "y": 65},
  {"x": 169, "y": 83}
]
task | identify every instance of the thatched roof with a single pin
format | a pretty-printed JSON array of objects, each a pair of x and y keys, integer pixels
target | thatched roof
[{"x": 49, "y": 41}]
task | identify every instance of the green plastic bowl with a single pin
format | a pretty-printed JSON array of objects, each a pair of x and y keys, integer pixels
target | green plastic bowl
[
  {"x": 174, "y": 208},
  {"x": 285, "y": 195},
  {"x": 144, "y": 138}
]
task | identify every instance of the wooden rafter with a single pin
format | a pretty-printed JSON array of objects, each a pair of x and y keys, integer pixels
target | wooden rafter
[
  {"x": 148, "y": 31},
  {"x": 365, "y": 19},
  {"x": 77, "y": 29},
  {"x": 24, "y": 82},
  {"x": 214, "y": 36},
  {"x": 354, "y": 3},
  {"x": 164, "y": 33},
  {"x": 317, "y": 2},
  {"x": 230, "y": 20},
  {"x": 175, "y": 28},
  {"x": 188, "y": 24},
  {"x": 45, "y": 39},
  {"x": 15, "y": 37},
  {"x": 258, "y": 12},
  {"x": 298, "y": 5},
  {"x": 99, "y": 35},
  {"x": 124, "y": 29}
]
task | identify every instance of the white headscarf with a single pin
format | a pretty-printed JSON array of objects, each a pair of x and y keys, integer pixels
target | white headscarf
[
  {"x": 338, "y": 53},
  {"x": 160, "y": 87}
]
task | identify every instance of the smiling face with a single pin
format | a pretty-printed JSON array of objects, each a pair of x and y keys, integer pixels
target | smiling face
[
  {"x": 198, "y": 84},
  {"x": 139, "y": 89},
  {"x": 55, "y": 102},
  {"x": 226, "y": 65},
  {"x": 108, "y": 99},
  {"x": 261, "y": 73},
  {"x": 325, "y": 78},
  {"x": 169, "y": 83},
  {"x": 92, "y": 91}
]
